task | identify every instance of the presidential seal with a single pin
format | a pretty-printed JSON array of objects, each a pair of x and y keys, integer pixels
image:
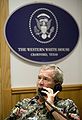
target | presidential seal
[{"x": 43, "y": 25}]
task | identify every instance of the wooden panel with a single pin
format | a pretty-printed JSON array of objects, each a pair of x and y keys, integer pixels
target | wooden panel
[
  {"x": 73, "y": 92},
  {"x": 5, "y": 86},
  {"x": 80, "y": 103},
  {"x": 21, "y": 93}
]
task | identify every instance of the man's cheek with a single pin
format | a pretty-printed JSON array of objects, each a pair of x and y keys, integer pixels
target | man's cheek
[{"x": 46, "y": 85}]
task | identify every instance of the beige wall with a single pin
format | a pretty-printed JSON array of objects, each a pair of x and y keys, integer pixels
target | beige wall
[{"x": 71, "y": 65}]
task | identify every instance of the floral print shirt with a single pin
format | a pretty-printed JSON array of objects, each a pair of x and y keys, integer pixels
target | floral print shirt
[{"x": 30, "y": 109}]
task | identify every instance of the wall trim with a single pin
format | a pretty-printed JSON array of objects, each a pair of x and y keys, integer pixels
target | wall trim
[
  {"x": 33, "y": 89},
  {"x": 23, "y": 90}
]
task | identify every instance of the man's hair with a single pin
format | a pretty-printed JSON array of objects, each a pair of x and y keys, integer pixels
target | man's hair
[{"x": 57, "y": 72}]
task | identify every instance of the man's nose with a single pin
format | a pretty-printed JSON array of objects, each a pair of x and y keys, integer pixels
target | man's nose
[{"x": 41, "y": 81}]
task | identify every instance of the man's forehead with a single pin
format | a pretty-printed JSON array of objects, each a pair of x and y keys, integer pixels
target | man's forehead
[{"x": 46, "y": 71}]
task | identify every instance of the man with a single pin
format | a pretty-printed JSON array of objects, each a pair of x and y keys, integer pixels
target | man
[{"x": 46, "y": 105}]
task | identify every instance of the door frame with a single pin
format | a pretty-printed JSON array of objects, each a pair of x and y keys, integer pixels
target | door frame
[{"x": 5, "y": 80}]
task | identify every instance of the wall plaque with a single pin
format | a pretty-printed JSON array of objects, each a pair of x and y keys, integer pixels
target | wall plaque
[{"x": 41, "y": 33}]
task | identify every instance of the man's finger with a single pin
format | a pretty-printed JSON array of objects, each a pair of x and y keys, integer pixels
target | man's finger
[{"x": 56, "y": 93}]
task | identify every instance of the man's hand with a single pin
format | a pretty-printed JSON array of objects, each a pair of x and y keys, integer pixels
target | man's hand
[{"x": 50, "y": 94}]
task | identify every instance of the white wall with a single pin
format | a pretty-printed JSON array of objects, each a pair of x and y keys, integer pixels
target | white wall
[{"x": 24, "y": 74}]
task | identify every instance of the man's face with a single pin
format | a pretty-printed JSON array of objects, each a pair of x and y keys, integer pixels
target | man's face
[{"x": 45, "y": 79}]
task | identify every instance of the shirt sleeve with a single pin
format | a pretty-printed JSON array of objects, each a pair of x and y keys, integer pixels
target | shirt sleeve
[
  {"x": 71, "y": 110},
  {"x": 19, "y": 110}
]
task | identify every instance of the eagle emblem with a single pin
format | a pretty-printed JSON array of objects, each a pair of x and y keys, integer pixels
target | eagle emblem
[{"x": 43, "y": 26}]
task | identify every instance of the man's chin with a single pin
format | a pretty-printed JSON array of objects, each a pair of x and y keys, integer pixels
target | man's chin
[{"x": 40, "y": 87}]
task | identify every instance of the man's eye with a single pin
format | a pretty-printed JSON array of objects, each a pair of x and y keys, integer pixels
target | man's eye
[
  {"x": 45, "y": 79},
  {"x": 39, "y": 77}
]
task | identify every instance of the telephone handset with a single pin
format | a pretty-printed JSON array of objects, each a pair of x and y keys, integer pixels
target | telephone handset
[{"x": 57, "y": 87}]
